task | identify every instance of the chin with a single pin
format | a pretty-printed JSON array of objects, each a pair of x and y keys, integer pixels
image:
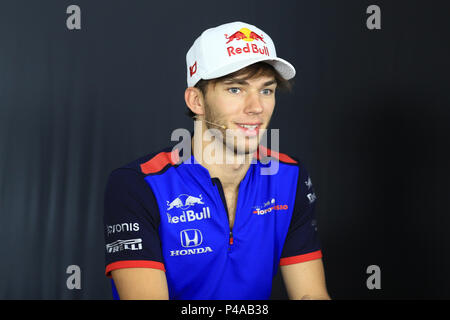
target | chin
[{"x": 249, "y": 147}]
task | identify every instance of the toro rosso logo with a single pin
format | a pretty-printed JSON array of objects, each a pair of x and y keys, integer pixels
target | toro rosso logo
[
  {"x": 184, "y": 201},
  {"x": 248, "y": 36},
  {"x": 268, "y": 207}
]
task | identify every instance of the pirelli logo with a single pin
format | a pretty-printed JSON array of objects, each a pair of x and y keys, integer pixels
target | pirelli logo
[{"x": 120, "y": 245}]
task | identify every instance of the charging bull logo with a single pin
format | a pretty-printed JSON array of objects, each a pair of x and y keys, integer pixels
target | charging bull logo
[
  {"x": 184, "y": 201},
  {"x": 244, "y": 34}
]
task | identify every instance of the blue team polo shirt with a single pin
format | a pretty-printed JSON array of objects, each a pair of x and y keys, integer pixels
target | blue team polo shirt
[{"x": 172, "y": 215}]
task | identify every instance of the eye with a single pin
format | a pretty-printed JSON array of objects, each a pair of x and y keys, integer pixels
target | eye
[
  {"x": 234, "y": 90},
  {"x": 267, "y": 91}
]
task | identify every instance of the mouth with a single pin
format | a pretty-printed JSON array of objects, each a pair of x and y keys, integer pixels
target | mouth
[{"x": 249, "y": 129}]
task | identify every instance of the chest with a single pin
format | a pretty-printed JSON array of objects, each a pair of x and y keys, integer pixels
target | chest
[
  {"x": 196, "y": 214},
  {"x": 231, "y": 197},
  {"x": 187, "y": 203}
]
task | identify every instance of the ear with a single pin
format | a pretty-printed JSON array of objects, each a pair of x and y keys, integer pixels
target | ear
[{"x": 194, "y": 100}]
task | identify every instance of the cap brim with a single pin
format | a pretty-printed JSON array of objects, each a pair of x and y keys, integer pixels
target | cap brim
[{"x": 284, "y": 68}]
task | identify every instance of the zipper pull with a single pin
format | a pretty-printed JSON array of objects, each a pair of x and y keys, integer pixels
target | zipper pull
[{"x": 231, "y": 237}]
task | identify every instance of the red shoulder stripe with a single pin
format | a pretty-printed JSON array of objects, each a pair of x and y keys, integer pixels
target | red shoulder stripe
[
  {"x": 158, "y": 162},
  {"x": 277, "y": 155}
]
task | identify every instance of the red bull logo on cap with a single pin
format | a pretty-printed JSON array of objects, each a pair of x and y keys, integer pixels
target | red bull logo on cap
[
  {"x": 244, "y": 34},
  {"x": 247, "y": 35}
]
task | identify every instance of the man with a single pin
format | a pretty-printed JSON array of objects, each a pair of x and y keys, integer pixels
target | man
[{"x": 217, "y": 224}]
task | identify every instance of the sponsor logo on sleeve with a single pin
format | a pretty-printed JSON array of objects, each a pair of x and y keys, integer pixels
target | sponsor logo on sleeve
[
  {"x": 120, "y": 245},
  {"x": 308, "y": 183},
  {"x": 311, "y": 197},
  {"x": 122, "y": 227}
]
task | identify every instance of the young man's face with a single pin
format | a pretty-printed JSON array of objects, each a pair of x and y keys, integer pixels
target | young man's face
[{"x": 244, "y": 107}]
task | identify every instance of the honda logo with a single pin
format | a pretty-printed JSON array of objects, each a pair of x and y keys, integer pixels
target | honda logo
[{"x": 191, "y": 238}]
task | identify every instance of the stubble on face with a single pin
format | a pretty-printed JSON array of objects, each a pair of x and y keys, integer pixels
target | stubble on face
[{"x": 231, "y": 139}]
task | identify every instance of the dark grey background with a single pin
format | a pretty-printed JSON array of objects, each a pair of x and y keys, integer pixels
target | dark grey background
[{"x": 369, "y": 117}]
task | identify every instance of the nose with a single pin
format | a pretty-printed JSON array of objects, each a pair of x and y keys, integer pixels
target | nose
[{"x": 253, "y": 104}]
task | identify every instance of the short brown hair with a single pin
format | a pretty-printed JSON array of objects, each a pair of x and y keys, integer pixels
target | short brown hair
[{"x": 250, "y": 72}]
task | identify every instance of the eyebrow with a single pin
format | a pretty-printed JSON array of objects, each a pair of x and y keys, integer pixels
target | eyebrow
[{"x": 245, "y": 83}]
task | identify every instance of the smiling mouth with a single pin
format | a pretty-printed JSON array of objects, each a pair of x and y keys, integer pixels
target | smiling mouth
[
  {"x": 249, "y": 129},
  {"x": 249, "y": 126}
]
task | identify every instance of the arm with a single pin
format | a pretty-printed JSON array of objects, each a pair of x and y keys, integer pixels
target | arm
[
  {"x": 133, "y": 248},
  {"x": 305, "y": 280},
  {"x": 140, "y": 284},
  {"x": 301, "y": 264}
]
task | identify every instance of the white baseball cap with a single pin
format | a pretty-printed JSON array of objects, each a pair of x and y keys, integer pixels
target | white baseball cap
[{"x": 230, "y": 47}]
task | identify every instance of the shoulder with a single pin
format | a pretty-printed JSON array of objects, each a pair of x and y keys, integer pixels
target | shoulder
[
  {"x": 128, "y": 192},
  {"x": 287, "y": 161},
  {"x": 152, "y": 163},
  {"x": 264, "y": 152},
  {"x": 291, "y": 169},
  {"x": 131, "y": 176}
]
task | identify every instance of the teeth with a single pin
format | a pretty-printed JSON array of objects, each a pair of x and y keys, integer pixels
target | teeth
[{"x": 248, "y": 126}]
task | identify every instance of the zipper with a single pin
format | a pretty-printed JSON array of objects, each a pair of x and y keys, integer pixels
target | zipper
[{"x": 224, "y": 202}]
